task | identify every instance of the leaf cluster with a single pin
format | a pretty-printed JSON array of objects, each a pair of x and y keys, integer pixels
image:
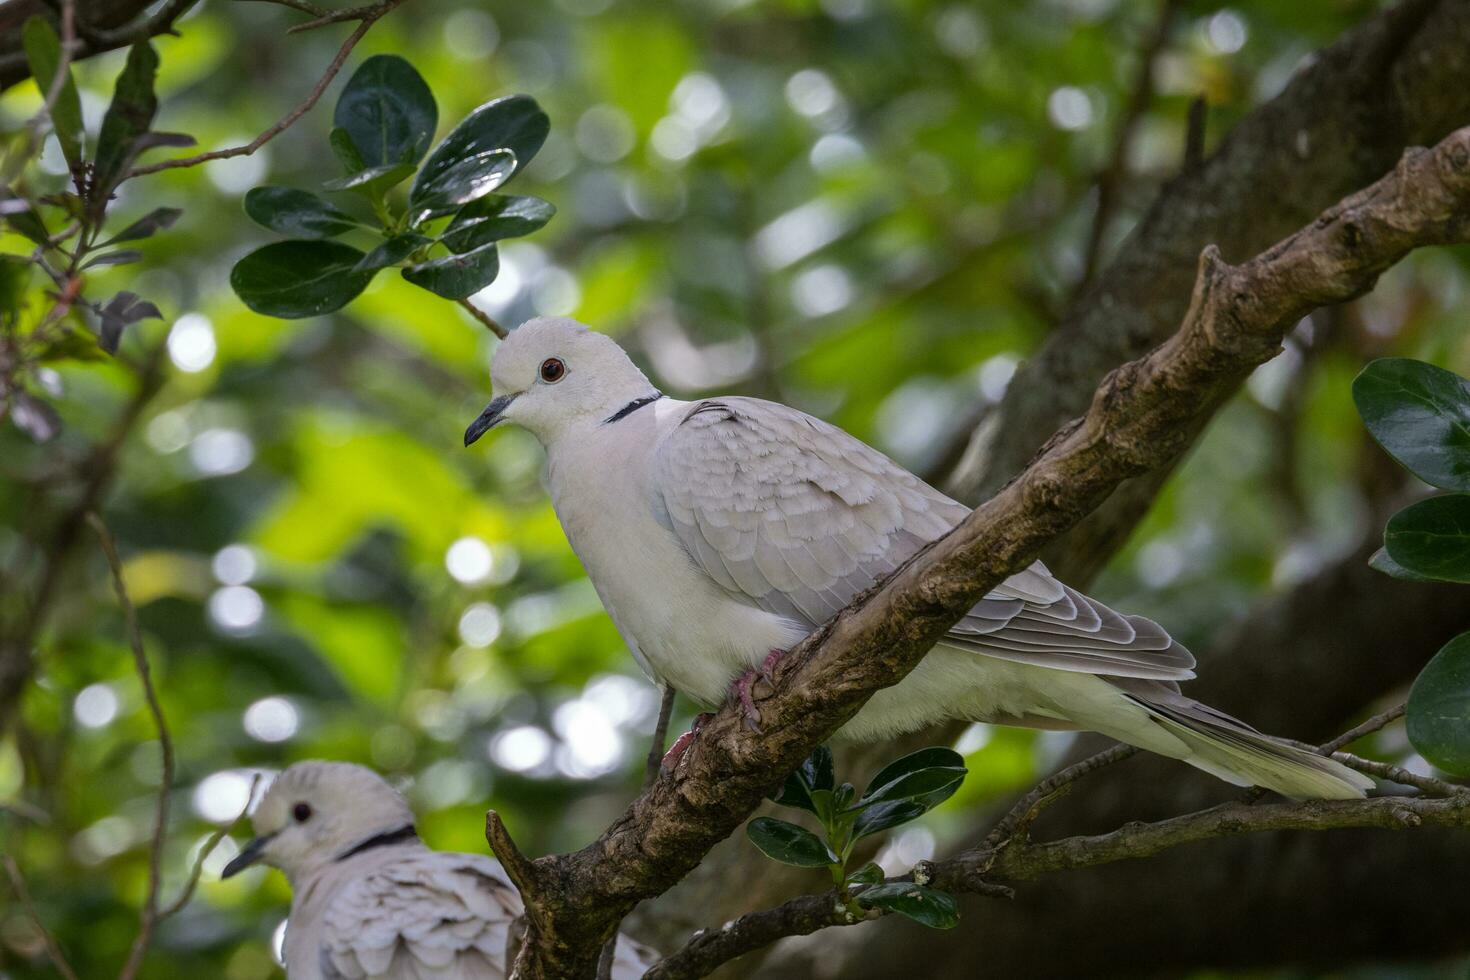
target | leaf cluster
[{"x": 1420, "y": 414}]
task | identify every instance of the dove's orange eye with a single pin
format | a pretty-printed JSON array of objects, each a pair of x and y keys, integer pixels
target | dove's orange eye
[{"x": 553, "y": 370}]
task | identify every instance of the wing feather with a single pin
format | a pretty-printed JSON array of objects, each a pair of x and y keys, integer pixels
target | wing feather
[{"x": 796, "y": 517}]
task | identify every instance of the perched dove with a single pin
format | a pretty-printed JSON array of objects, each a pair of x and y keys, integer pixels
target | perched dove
[
  {"x": 370, "y": 900},
  {"x": 720, "y": 532}
]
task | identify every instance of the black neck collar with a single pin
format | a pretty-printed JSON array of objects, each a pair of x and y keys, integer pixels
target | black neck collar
[
  {"x": 398, "y": 836},
  {"x": 632, "y": 407}
]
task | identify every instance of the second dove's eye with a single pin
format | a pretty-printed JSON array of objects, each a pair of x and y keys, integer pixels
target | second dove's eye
[
  {"x": 553, "y": 370},
  {"x": 302, "y": 812}
]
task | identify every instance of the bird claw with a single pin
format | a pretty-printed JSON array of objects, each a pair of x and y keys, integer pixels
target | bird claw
[
  {"x": 676, "y": 751},
  {"x": 756, "y": 685}
]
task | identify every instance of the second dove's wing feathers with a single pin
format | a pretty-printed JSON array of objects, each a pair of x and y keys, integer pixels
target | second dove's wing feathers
[
  {"x": 796, "y": 516},
  {"x": 431, "y": 916}
]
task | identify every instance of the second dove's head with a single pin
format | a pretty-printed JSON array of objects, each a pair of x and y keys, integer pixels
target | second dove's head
[
  {"x": 315, "y": 812},
  {"x": 552, "y": 373}
]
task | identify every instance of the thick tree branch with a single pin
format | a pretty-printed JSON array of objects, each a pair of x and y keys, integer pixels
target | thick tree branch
[
  {"x": 1144, "y": 415},
  {"x": 106, "y": 26}
]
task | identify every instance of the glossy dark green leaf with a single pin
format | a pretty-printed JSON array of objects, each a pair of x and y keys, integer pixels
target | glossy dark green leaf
[
  {"x": 935, "y": 909},
  {"x": 814, "y": 774},
  {"x": 43, "y": 52},
  {"x": 1438, "y": 714},
  {"x": 22, "y": 217},
  {"x": 299, "y": 278},
  {"x": 300, "y": 214},
  {"x": 463, "y": 181},
  {"x": 345, "y": 151},
  {"x": 916, "y": 774},
  {"x": 151, "y": 223},
  {"x": 1420, "y": 414},
  {"x": 1432, "y": 538},
  {"x": 374, "y": 181},
  {"x": 788, "y": 843},
  {"x": 1385, "y": 564},
  {"x": 393, "y": 251},
  {"x": 883, "y": 816},
  {"x": 493, "y": 218},
  {"x": 457, "y": 276},
  {"x": 387, "y": 111},
  {"x": 126, "y": 123},
  {"x": 869, "y": 874},
  {"x": 516, "y": 124}
]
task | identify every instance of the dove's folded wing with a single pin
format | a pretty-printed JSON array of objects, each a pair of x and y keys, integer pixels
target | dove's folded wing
[{"x": 798, "y": 517}]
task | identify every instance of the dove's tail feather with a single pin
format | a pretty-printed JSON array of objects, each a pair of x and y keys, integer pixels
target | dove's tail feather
[{"x": 1233, "y": 751}]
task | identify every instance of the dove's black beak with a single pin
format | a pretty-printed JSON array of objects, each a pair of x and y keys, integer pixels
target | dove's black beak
[
  {"x": 250, "y": 854},
  {"x": 488, "y": 418}
]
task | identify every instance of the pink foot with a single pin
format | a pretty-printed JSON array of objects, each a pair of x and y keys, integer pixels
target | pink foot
[
  {"x": 743, "y": 690},
  {"x": 671, "y": 757}
]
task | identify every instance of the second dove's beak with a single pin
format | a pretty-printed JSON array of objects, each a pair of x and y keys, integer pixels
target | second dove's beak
[
  {"x": 488, "y": 418},
  {"x": 250, "y": 854}
]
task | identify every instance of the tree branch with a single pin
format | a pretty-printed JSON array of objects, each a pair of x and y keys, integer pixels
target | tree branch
[
  {"x": 95, "y": 38},
  {"x": 53, "y": 949},
  {"x": 1144, "y": 415},
  {"x": 148, "y": 917}
]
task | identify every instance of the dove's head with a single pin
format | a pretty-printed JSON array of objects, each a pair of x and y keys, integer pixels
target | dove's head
[
  {"x": 552, "y": 374},
  {"x": 318, "y": 812}
]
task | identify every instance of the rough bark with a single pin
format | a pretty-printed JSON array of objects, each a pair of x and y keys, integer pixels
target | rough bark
[{"x": 102, "y": 25}]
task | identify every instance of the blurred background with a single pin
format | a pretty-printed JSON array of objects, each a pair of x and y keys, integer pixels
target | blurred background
[{"x": 873, "y": 211}]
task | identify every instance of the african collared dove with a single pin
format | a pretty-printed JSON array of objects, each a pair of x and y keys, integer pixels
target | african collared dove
[
  {"x": 720, "y": 532},
  {"x": 369, "y": 900}
]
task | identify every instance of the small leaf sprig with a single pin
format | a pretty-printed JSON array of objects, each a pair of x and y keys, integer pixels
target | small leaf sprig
[
  {"x": 383, "y": 125},
  {"x": 902, "y": 791},
  {"x": 1420, "y": 414}
]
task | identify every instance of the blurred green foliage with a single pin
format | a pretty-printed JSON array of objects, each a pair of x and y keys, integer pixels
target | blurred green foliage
[{"x": 868, "y": 210}]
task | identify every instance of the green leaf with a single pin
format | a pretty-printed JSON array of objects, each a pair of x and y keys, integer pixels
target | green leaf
[
  {"x": 21, "y": 216},
  {"x": 1438, "y": 714},
  {"x": 393, "y": 251},
  {"x": 882, "y": 816},
  {"x": 457, "y": 276},
  {"x": 515, "y": 124},
  {"x": 493, "y": 218},
  {"x": 43, "y": 52},
  {"x": 301, "y": 214},
  {"x": 1420, "y": 414},
  {"x": 869, "y": 874},
  {"x": 788, "y": 843},
  {"x": 387, "y": 111},
  {"x": 1432, "y": 538},
  {"x": 125, "y": 124},
  {"x": 932, "y": 908},
  {"x": 154, "y": 221},
  {"x": 463, "y": 181},
  {"x": 122, "y": 256},
  {"x": 123, "y": 309},
  {"x": 299, "y": 278},
  {"x": 918, "y": 774},
  {"x": 345, "y": 151},
  {"x": 374, "y": 181},
  {"x": 814, "y": 774},
  {"x": 1383, "y": 563}
]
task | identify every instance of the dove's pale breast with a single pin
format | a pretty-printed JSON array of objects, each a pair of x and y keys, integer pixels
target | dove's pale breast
[{"x": 681, "y": 625}]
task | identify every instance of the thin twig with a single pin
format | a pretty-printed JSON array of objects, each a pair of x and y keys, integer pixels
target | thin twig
[
  {"x": 369, "y": 17},
  {"x": 53, "y": 950},
  {"x": 485, "y": 318},
  {"x": 660, "y": 738},
  {"x": 1025, "y": 811},
  {"x": 1400, "y": 775},
  {"x": 148, "y": 917},
  {"x": 1110, "y": 181},
  {"x": 1368, "y": 727},
  {"x": 192, "y": 882}
]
